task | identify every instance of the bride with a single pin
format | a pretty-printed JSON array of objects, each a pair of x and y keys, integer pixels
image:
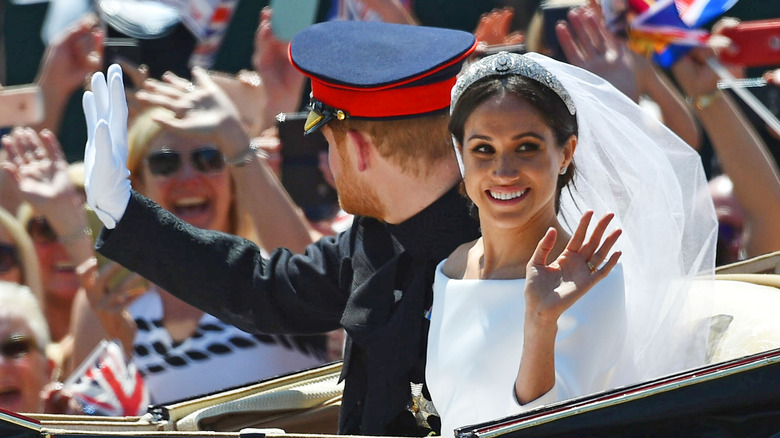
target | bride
[{"x": 539, "y": 309}]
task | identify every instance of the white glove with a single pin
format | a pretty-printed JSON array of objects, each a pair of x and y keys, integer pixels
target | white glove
[{"x": 106, "y": 178}]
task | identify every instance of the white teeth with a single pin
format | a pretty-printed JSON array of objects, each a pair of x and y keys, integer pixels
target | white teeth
[
  {"x": 507, "y": 196},
  {"x": 188, "y": 202}
]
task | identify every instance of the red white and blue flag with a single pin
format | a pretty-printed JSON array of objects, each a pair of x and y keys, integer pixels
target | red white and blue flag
[
  {"x": 697, "y": 13},
  {"x": 670, "y": 27},
  {"x": 107, "y": 384}
]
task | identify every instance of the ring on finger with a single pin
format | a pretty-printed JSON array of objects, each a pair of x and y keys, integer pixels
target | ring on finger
[
  {"x": 190, "y": 87},
  {"x": 592, "y": 267}
]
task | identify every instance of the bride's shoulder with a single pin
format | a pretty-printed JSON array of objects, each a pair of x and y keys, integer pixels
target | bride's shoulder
[{"x": 455, "y": 265}]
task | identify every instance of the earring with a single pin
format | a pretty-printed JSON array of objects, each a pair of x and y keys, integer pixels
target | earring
[{"x": 563, "y": 171}]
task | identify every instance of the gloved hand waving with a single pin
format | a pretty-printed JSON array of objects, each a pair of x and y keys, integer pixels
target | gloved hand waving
[{"x": 105, "y": 157}]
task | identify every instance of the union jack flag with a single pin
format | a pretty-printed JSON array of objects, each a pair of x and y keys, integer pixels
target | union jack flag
[
  {"x": 668, "y": 28},
  {"x": 107, "y": 384}
]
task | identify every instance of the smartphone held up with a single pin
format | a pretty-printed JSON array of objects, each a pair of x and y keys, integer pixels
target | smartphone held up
[
  {"x": 301, "y": 174},
  {"x": 21, "y": 105},
  {"x": 290, "y": 17},
  {"x": 754, "y": 43}
]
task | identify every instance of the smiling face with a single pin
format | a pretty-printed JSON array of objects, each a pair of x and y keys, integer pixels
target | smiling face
[
  {"x": 24, "y": 369},
  {"x": 199, "y": 198},
  {"x": 512, "y": 163},
  {"x": 58, "y": 271}
]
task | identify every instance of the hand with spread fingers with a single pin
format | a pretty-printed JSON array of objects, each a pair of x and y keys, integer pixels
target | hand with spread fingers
[
  {"x": 494, "y": 28},
  {"x": 246, "y": 92},
  {"x": 200, "y": 110},
  {"x": 39, "y": 168},
  {"x": 552, "y": 287},
  {"x": 106, "y": 178},
  {"x": 69, "y": 59},
  {"x": 587, "y": 43},
  {"x": 38, "y": 165}
]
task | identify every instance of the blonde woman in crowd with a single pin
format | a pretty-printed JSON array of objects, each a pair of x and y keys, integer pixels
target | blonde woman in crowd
[
  {"x": 174, "y": 342},
  {"x": 18, "y": 263},
  {"x": 24, "y": 368}
]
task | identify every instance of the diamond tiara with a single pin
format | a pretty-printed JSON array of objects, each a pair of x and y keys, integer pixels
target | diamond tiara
[{"x": 506, "y": 63}]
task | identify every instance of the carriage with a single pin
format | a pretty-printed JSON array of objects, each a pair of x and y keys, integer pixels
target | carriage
[{"x": 733, "y": 395}]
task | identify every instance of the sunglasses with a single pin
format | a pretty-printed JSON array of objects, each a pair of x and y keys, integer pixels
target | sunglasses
[
  {"x": 166, "y": 162},
  {"x": 8, "y": 258},
  {"x": 40, "y": 231},
  {"x": 17, "y": 346}
]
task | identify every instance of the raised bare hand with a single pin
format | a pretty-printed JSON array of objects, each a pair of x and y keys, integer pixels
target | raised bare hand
[
  {"x": 692, "y": 72},
  {"x": 587, "y": 43},
  {"x": 494, "y": 28},
  {"x": 270, "y": 59},
  {"x": 283, "y": 83},
  {"x": 551, "y": 288},
  {"x": 39, "y": 168},
  {"x": 71, "y": 56},
  {"x": 115, "y": 288},
  {"x": 200, "y": 108},
  {"x": 110, "y": 290}
]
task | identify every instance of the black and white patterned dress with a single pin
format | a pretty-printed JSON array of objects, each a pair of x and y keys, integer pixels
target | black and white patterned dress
[{"x": 217, "y": 355}]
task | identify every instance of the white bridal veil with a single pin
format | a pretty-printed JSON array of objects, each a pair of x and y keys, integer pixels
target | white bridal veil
[{"x": 631, "y": 164}]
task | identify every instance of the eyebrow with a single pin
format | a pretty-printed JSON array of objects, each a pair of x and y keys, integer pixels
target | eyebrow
[{"x": 516, "y": 137}]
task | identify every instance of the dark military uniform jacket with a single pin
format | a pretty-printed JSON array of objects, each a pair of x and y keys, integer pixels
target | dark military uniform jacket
[{"x": 374, "y": 280}]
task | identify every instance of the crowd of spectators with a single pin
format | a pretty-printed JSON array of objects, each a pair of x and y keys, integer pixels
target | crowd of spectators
[{"x": 54, "y": 291}]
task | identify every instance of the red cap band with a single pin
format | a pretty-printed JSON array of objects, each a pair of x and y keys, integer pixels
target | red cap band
[{"x": 389, "y": 102}]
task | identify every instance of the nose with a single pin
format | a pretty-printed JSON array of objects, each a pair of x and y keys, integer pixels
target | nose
[
  {"x": 505, "y": 167},
  {"x": 186, "y": 170}
]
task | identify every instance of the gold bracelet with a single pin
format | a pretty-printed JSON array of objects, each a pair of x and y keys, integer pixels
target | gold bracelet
[
  {"x": 244, "y": 157},
  {"x": 705, "y": 100}
]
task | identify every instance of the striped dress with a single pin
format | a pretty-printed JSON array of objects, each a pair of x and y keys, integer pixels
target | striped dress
[{"x": 217, "y": 356}]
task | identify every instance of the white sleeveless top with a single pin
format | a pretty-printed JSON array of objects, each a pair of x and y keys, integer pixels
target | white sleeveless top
[
  {"x": 217, "y": 356},
  {"x": 476, "y": 340}
]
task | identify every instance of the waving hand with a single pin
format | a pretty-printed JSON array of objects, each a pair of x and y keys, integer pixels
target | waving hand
[
  {"x": 105, "y": 157},
  {"x": 551, "y": 288}
]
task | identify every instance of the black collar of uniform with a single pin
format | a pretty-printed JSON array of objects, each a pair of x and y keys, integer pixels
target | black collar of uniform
[{"x": 438, "y": 229}]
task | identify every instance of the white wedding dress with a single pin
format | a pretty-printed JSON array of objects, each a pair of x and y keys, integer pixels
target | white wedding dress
[{"x": 476, "y": 340}]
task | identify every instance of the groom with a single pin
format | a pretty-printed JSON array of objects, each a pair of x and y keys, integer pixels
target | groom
[{"x": 380, "y": 94}]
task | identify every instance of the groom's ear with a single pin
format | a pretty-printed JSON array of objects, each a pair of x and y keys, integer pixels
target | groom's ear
[{"x": 363, "y": 146}]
